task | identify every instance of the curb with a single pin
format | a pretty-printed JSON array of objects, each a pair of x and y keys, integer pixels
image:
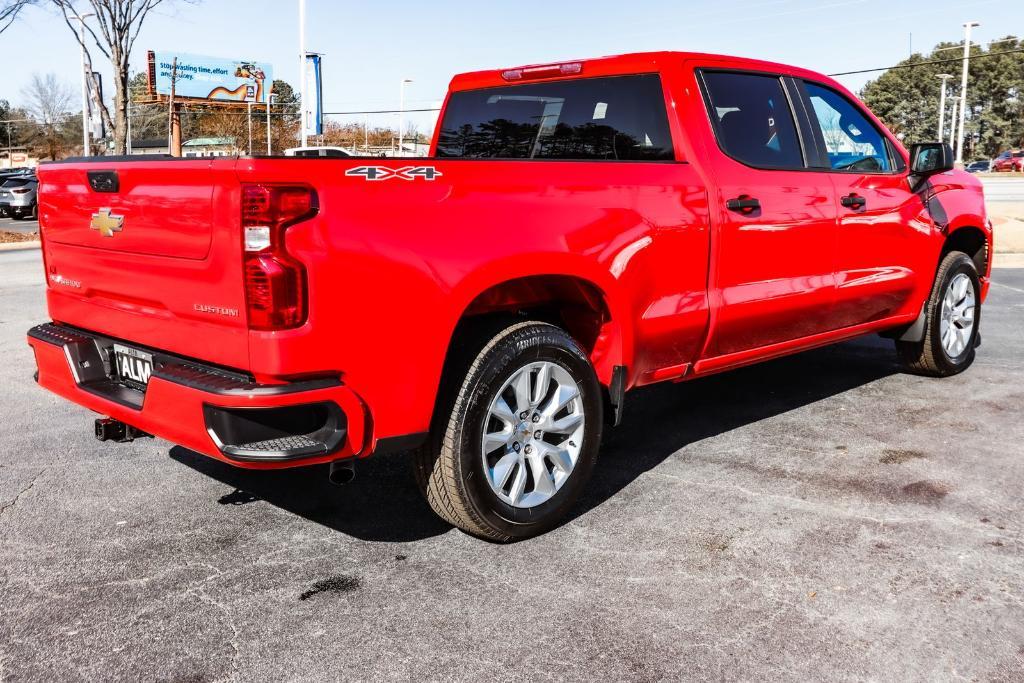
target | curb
[
  {"x": 1008, "y": 260},
  {"x": 19, "y": 246}
]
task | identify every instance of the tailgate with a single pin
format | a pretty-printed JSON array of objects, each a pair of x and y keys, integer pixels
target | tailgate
[{"x": 149, "y": 252}]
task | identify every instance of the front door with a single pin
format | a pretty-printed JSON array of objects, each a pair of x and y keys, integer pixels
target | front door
[
  {"x": 884, "y": 227},
  {"x": 772, "y": 271}
]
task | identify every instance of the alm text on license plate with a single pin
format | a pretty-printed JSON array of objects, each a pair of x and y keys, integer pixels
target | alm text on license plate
[{"x": 132, "y": 367}]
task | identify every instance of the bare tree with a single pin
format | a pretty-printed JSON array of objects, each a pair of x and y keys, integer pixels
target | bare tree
[
  {"x": 49, "y": 102},
  {"x": 117, "y": 25},
  {"x": 9, "y": 11}
]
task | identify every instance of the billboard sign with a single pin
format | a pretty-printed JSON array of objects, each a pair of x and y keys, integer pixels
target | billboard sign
[{"x": 210, "y": 78}]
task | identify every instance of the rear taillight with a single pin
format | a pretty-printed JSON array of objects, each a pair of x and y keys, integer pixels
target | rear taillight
[
  {"x": 275, "y": 282},
  {"x": 21, "y": 190}
]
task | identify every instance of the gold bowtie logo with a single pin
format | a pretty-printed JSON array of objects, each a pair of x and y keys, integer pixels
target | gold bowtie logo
[{"x": 106, "y": 222}]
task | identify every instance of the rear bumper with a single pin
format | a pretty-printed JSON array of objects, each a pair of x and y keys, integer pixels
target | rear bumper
[{"x": 217, "y": 412}]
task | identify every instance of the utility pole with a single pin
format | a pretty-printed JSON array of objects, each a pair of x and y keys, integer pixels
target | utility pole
[
  {"x": 173, "y": 116},
  {"x": 128, "y": 144},
  {"x": 952, "y": 125},
  {"x": 85, "y": 86},
  {"x": 248, "y": 109},
  {"x": 303, "y": 100},
  {"x": 963, "y": 91},
  {"x": 401, "y": 117},
  {"x": 270, "y": 101},
  {"x": 942, "y": 104}
]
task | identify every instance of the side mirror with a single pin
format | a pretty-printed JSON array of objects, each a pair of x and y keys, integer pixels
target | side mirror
[{"x": 929, "y": 158}]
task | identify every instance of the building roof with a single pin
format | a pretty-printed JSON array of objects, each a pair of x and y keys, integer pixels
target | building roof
[{"x": 209, "y": 142}]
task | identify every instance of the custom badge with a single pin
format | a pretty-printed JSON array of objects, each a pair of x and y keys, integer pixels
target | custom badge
[{"x": 106, "y": 222}]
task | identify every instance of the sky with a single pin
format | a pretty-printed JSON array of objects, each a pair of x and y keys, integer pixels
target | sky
[{"x": 370, "y": 47}]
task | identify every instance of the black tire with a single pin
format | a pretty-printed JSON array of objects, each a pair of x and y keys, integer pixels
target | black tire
[
  {"x": 929, "y": 356},
  {"x": 450, "y": 470}
]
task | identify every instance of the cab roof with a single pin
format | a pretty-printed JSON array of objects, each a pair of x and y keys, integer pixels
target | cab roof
[{"x": 618, "y": 65}]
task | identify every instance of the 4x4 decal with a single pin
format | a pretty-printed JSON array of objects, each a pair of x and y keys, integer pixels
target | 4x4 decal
[{"x": 386, "y": 173}]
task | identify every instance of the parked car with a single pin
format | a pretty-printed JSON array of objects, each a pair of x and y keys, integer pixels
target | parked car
[
  {"x": 18, "y": 197},
  {"x": 1009, "y": 161},
  {"x": 317, "y": 152},
  {"x": 8, "y": 174},
  {"x": 979, "y": 167},
  {"x": 581, "y": 230}
]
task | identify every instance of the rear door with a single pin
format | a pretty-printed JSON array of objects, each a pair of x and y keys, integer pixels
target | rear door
[
  {"x": 772, "y": 271},
  {"x": 883, "y": 225}
]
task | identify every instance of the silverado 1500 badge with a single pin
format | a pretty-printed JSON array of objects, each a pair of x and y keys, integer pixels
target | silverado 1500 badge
[
  {"x": 385, "y": 173},
  {"x": 106, "y": 222}
]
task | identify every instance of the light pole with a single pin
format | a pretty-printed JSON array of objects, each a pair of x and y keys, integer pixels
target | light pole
[
  {"x": 270, "y": 101},
  {"x": 128, "y": 124},
  {"x": 942, "y": 104},
  {"x": 248, "y": 108},
  {"x": 963, "y": 91},
  {"x": 303, "y": 101},
  {"x": 952, "y": 119},
  {"x": 401, "y": 116},
  {"x": 85, "y": 86}
]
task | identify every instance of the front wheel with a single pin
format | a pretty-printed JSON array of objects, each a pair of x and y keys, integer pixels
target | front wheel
[
  {"x": 521, "y": 436},
  {"x": 952, "y": 315}
]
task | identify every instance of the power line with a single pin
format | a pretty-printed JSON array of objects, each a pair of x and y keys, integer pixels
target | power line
[{"x": 933, "y": 61}]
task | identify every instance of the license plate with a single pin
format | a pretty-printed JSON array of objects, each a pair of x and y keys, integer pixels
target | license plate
[{"x": 132, "y": 367}]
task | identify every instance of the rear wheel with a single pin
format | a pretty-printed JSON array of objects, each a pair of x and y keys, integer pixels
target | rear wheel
[
  {"x": 952, "y": 315},
  {"x": 520, "y": 437}
]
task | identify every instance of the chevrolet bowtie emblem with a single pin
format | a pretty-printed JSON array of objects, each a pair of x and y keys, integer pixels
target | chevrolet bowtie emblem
[{"x": 106, "y": 222}]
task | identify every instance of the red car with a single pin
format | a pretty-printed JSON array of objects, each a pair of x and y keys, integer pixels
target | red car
[
  {"x": 582, "y": 229},
  {"x": 1009, "y": 161}
]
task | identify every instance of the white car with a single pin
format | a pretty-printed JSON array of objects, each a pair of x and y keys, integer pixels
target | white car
[{"x": 317, "y": 152}]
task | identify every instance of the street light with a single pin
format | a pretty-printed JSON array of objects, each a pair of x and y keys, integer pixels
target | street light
[
  {"x": 401, "y": 116},
  {"x": 963, "y": 91},
  {"x": 942, "y": 104},
  {"x": 304, "y": 101},
  {"x": 271, "y": 96},
  {"x": 85, "y": 87},
  {"x": 248, "y": 108},
  {"x": 952, "y": 125}
]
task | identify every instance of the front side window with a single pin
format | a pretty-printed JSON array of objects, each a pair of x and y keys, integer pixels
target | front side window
[
  {"x": 619, "y": 118},
  {"x": 851, "y": 141},
  {"x": 752, "y": 119}
]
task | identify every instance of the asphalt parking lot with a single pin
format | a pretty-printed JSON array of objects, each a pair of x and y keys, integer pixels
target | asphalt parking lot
[{"x": 818, "y": 517}]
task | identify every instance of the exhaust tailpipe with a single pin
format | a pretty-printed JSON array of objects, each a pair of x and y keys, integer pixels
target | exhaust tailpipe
[{"x": 342, "y": 472}]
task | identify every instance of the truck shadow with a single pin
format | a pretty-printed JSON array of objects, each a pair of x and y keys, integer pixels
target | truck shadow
[{"x": 384, "y": 504}]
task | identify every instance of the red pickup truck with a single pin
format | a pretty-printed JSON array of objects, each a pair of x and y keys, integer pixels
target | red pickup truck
[{"x": 581, "y": 229}]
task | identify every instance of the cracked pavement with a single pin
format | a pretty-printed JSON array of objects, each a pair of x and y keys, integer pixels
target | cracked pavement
[{"x": 818, "y": 517}]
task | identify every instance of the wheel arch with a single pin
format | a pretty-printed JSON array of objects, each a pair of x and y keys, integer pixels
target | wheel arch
[
  {"x": 973, "y": 241},
  {"x": 584, "y": 304}
]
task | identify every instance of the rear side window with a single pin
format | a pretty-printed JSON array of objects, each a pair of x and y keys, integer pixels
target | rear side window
[
  {"x": 852, "y": 142},
  {"x": 621, "y": 118},
  {"x": 752, "y": 119}
]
